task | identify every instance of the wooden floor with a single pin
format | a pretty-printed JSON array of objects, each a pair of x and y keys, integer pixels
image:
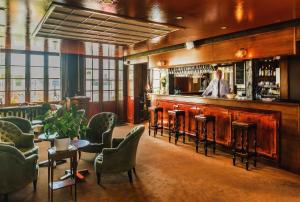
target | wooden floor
[{"x": 166, "y": 172}]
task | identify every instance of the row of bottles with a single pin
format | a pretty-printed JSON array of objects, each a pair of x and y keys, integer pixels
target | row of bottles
[
  {"x": 267, "y": 69},
  {"x": 267, "y": 79}
]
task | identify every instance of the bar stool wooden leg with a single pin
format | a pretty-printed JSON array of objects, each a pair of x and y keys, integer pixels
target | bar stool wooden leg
[
  {"x": 255, "y": 152},
  {"x": 183, "y": 135},
  {"x": 155, "y": 123},
  {"x": 243, "y": 150},
  {"x": 205, "y": 137},
  {"x": 247, "y": 149},
  {"x": 169, "y": 125},
  {"x": 197, "y": 136},
  {"x": 233, "y": 145},
  {"x": 176, "y": 129},
  {"x": 214, "y": 137},
  {"x": 150, "y": 124},
  {"x": 162, "y": 123}
]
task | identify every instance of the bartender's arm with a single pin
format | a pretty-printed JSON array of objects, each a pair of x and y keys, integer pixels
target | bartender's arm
[{"x": 209, "y": 89}]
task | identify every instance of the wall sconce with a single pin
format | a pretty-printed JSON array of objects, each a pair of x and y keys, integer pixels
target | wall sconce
[
  {"x": 242, "y": 53},
  {"x": 161, "y": 63},
  {"x": 189, "y": 45}
]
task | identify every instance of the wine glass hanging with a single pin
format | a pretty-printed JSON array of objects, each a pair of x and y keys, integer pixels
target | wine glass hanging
[{"x": 191, "y": 71}]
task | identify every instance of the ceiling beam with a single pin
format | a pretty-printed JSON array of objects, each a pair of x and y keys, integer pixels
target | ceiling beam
[
  {"x": 71, "y": 28},
  {"x": 60, "y": 4},
  {"x": 45, "y": 30},
  {"x": 137, "y": 32},
  {"x": 157, "y": 27},
  {"x": 64, "y": 36}
]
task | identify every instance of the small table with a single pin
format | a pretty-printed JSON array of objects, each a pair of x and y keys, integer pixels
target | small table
[
  {"x": 80, "y": 173},
  {"x": 54, "y": 156},
  {"x": 51, "y": 139}
]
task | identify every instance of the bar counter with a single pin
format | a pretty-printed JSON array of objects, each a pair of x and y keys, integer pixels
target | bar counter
[{"x": 277, "y": 122}]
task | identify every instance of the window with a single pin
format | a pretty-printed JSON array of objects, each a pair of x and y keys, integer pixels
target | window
[
  {"x": 2, "y": 78},
  {"x": 156, "y": 80},
  {"x": 37, "y": 44},
  {"x": 17, "y": 78},
  {"x": 36, "y": 78},
  {"x": 109, "y": 50},
  {"x": 92, "y": 79},
  {"x": 54, "y": 81},
  {"x": 109, "y": 69},
  {"x": 121, "y": 80},
  {"x": 18, "y": 42},
  {"x": 54, "y": 45}
]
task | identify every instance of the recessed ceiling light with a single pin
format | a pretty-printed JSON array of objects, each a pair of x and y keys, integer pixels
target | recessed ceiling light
[
  {"x": 179, "y": 18},
  {"x": 223, "y": 27}
]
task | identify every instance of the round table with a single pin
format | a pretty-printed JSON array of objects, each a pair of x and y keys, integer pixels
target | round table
[
  {"x": 80, "y": 173},
  {"x": 50, "y": 138}
]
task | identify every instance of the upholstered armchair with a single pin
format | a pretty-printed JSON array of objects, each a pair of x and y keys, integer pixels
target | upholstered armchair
[
  {"x": 11, "y": 134},
  {"x": 120, "y": 158},
  {"x": 22, "y": 123},
  {"x": 99, "y": 133},
  {"x": 16, "y": 170}
]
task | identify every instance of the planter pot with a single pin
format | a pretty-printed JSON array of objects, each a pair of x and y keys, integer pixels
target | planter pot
[{"x": 62, "y": 144}]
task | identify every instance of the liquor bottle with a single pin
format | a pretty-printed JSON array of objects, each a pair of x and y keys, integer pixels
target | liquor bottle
[
  {"x": 267, "y": 71},
  {"x": 259, "y": 72},
  {"x": 262, "y": 71}
]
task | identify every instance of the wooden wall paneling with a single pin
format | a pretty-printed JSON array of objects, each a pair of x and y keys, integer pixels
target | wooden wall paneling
[
  {"x": 130, "y": 94},
  {"x": 280, "y": 119},
  {"x": 263, "y": 45},
  {"x": 130, "y": 109},
  {"x": 297, "y": 33},
  {"x": 267, "y": 124},
  {"x": 200, "y": 54},
  {"x": 258, "y": 46},
  {"x": 284, "y": 79}
]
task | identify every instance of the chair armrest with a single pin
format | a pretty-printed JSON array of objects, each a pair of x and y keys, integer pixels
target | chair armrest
[
  {"x": 106, "y": 137},
  {"x": 25, "y": 140},
  {"x": 31, "y": 162},
  {"x": 116, "y": 142},
  {"x": 8, "y": 143},
  {"x": 13, "y": 151},
  {"x": 32, "y": 159}
]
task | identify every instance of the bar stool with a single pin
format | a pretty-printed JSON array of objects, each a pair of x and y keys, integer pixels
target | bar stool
[
  {"x": 246, "y": 128},
  {"x": 156, "y": 125},
  {"x": 205, "y": 120},
  {"x": 174, "y": 124}
]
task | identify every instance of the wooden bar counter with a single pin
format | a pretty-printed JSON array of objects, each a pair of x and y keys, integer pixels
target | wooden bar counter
[{"x": 277, "y": 123}]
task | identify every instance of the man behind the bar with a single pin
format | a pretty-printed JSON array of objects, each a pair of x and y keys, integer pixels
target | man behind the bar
[{"x": 217, "y": 87}]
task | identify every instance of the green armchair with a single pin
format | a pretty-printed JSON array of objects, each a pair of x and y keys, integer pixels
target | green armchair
[
  {"x": 10, "y": 134},
  {"x": 99, "y": 133},
  {"x": 120, "y": 158},
  {"x": 16, "y": 170},
  {"x": 22, "y": 123}
]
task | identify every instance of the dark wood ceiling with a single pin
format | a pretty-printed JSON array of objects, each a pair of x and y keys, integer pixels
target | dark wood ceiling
[{"x": 201, "y": 18}]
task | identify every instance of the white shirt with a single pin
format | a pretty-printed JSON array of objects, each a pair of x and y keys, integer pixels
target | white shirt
[{"x": 213, "y": 88}]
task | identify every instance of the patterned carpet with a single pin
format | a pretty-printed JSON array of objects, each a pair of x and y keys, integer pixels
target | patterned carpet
[{"x": 168, "y": 172}]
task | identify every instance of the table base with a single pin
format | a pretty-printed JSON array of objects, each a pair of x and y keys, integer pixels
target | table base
[{"x": 80, "y": 174}]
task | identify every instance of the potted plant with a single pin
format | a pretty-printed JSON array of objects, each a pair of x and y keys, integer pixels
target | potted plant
[
  {"x": 66, "y": 124},
  {"x": 163, "y": 82}
]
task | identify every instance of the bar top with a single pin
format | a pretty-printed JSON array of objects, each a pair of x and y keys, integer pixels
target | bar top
[{"x": 213, "y": 100}]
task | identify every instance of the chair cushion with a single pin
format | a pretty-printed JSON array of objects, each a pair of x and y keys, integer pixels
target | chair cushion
[{"x": 9, "y": 132}]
